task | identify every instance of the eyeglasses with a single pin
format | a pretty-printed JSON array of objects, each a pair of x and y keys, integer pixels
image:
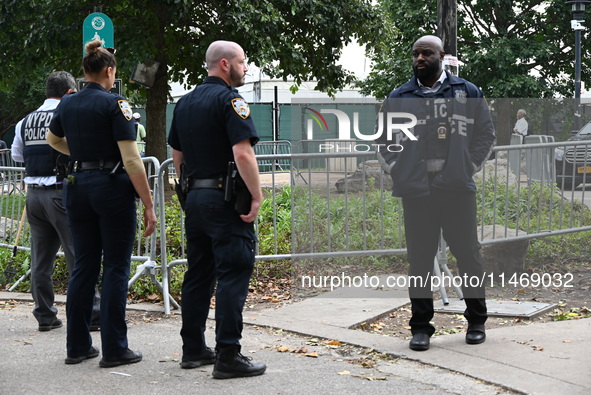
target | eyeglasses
[{"x": 111, "y": 50}]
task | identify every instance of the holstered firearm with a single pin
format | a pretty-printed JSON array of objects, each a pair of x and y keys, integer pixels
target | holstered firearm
[
  {"x": 237, "y": 191},
  {"x": 62, "y": 167},
  {"x": 182, "y": 188}
]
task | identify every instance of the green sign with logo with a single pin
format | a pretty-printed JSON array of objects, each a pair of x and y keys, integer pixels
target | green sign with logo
[{"x": 98, "y": 26}]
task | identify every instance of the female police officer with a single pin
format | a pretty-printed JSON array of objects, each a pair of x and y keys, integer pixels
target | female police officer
[{"x": 96, "y": 129}]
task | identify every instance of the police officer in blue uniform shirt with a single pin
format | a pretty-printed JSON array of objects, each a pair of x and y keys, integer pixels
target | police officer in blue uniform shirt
[
  {"x": 96, "y": 129},
  {"x": 46, "y": 216},
  {"x": 210, "y": 128},
  {"x": 453, "y": 136}
]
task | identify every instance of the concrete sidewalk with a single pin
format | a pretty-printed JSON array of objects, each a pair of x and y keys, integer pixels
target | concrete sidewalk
[{"x": 539, "y": 358}]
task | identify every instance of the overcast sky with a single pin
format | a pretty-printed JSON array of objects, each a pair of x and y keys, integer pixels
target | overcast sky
[{"x": 353, "y": 59}]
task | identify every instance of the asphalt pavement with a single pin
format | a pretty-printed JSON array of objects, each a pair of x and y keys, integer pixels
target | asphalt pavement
[{"x": 309, "y": 347}]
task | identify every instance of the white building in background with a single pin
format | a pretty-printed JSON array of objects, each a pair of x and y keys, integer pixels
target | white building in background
[{"x": 260, "y": 88}]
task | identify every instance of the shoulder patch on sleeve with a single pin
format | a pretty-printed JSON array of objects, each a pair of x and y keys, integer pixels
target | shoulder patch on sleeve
[
  {"x": 125, "y": 109},
  {"x": 241, "y": 107}
]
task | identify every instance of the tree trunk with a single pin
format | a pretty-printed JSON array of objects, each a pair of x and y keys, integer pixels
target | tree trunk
[
  {"x": 156, "y": 115},
  {"x": 504, "y": 121}
]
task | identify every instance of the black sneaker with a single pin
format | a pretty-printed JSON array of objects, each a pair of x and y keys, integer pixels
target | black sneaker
[
  {"x": 57, "y": 323},
  {"x": 207, "y": 357},
  {"x": 92, "y": 353},
  {"x": 230, "y": 363},
  {"x": 126, "y": 358}
]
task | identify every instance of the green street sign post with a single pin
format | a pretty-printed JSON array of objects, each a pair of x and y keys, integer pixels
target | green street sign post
[{"x": 98, "y": 26}]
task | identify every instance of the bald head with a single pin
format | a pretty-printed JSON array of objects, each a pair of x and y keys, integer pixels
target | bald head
[
  {"x": 433, "y": 41},
  {"x": 427, "y": 59},
  {"x": 219, "y": 50},
  {"x": 226, "y": 60}
]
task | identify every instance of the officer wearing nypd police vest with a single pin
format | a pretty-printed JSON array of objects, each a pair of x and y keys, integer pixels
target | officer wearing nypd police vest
[
  {"x": 46, "y": 216},
  {"x": 453, "y": 136},
  {"x": 211, "y": 127},
  {"x": 96, "y": 129}
]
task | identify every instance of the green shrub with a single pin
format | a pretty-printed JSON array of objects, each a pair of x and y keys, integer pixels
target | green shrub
[{"x": 13, "y": 268}]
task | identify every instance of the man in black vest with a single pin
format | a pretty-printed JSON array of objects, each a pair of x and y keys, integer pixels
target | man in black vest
[
  {"x": 46, "y": 216},
  {"x": 452, "y": 137}
]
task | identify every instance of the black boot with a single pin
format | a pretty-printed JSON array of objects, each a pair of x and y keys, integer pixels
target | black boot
[{"x": 230, "y": 363}]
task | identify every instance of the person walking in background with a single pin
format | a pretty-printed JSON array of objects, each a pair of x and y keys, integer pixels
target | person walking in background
[
  {"x": 96, "y": 129},
  {"x": 3, "y": 147},
  {"x": 45, "y": 213},
  {"x": 141, "y": 134},
  {"x": 432, "y": 172},
  {"x": 521, "y": 124},
  {"x": 211, "y": 129}
]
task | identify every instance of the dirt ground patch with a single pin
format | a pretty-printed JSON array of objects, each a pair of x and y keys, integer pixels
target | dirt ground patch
[{"x": 572, "y": 302}]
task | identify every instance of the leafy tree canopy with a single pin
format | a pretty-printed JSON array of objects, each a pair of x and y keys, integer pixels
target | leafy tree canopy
[
  {"x": 522, "y": 48},
  {"x": 290, "y": 39}
]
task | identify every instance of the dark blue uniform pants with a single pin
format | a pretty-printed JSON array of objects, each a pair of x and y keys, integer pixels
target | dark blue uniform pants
[
  {"x": 454, "y": 212},
  {"x": 102, "y": 215},
  {"x": 220, "y": 250}
]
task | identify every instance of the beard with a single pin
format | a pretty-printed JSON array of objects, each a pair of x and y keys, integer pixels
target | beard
[
  {"x": 236, "y": 77},
  {"x": 430, "y": 71}
]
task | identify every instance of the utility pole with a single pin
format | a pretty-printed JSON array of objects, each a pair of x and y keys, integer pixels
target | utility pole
[{"x": 447, "y": 26}]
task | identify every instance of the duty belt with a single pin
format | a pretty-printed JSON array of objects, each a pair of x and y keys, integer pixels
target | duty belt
[
  {"x": 53, "y": 186},
  {"x": 207, "y": 183},
  {"x": 94, "y": 165}
]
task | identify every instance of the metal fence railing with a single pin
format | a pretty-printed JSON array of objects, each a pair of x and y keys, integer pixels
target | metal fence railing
[
  {"x": 14, "y": 230},
  {"x": 336, "y": 212}
]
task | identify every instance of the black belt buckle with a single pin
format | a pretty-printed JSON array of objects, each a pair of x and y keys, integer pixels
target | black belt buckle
[
  {"x": 46, "y": 187},
  {"x": 206, "y": 183},
  {"x": 100, "y": 164}
]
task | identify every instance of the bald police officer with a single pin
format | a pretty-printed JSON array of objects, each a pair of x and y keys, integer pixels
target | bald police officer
[{"x": 210, "y": 128}]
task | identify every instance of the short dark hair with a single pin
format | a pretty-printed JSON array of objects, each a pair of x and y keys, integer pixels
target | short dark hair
[{"x": 59, "y": 83}]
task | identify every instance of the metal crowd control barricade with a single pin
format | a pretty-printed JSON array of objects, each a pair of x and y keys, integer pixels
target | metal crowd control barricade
[
  {"x": 150, "y": 265},
  {"x": 496, "y": 178},
  {"x": 273, "y": 148},
  {"x": 13, "y": 219},
  {"x": 165, "y": 266},
  {"x": 441, "y": 270},
  {"x": 540, "y": 161},
  {"x": 440, "y": 261},
  {"x": 12, "y": 182},
  {"x": 144, "y": 249}
]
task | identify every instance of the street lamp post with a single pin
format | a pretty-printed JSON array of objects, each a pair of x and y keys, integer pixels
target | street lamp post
[{"x": 578, "y": 9}]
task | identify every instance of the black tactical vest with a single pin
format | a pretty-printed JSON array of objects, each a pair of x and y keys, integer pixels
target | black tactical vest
[{"x": 40, "y": 158}]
